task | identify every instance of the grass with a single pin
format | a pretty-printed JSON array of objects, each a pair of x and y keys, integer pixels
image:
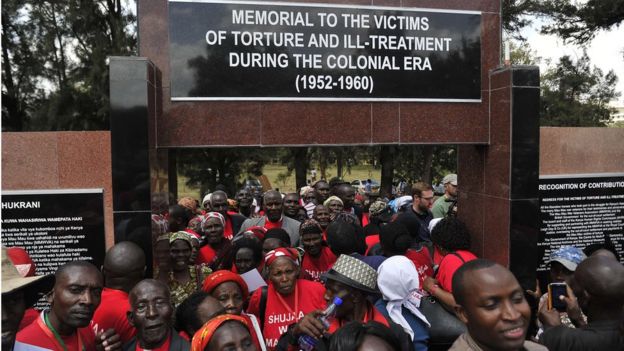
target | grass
[{"x": 287, "y": 184}]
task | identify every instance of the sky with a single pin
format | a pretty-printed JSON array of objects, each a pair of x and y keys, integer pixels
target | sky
[{"x": 605, "y": 51}]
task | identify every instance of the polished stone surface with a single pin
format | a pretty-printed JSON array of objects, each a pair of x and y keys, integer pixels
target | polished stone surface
[
  {"x": 498, "y": 182},
  {"x": 60, "y": 160},
  {"x": 581, "y": 150},
  {"x": 247, "y": 123}
]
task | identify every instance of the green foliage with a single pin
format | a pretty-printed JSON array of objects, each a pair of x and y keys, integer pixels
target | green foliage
[
  {"x": 54, "y": 54},
  {"x": 580, "y": 21},
  {"x": 575, "y": 94},
  {"x": 571, "y": 20}
]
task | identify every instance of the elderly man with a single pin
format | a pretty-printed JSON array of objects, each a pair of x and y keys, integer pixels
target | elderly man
[
  {"x": 352, "y": 281},
  {"x": 151, "y": 313},
  {"x": 492, "y": 305},
  {"x": 233, "y": 221},
  {"x": 18, "y": 293},
  {"x": 442, "y": 205},
  {"x": 600, "y": 283},
  {"x": 273, "y": 218},
  {"x": 65, "y": 327},
  {"x": 124, "y": 266}
]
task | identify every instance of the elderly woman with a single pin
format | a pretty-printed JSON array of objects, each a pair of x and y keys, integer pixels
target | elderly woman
[
  {"x": 287, "y": 299},
  {"x": 183, "y": 279},
  {"x": 400, "y": 289},
  {"x": 334, "y": 204},
  {"x": 231, "y": 291},
  {"x": 215, "y": 247},
  {"x": 224, "y": 332}
]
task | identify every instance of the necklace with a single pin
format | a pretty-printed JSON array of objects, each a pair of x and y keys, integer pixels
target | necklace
[{"x": 51, "y": 332}]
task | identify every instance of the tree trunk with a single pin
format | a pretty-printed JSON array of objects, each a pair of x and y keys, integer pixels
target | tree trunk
[
  {"x": 339, "y": 163},
  {"x": 301, "y": 166},
  {"x": 427, "y": 163},
  {"x": 386, "y": 161}
]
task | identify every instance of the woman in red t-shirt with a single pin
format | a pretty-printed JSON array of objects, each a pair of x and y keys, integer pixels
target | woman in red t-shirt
[
  {"x": 450, "y": 236},
  {"x": 288, "y": 299},
  {"x": 216, "y": 247},
  {"x": 232, "y": 292}
]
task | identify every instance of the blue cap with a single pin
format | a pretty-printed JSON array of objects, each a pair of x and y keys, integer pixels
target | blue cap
[{"x": 568, "y": 256}]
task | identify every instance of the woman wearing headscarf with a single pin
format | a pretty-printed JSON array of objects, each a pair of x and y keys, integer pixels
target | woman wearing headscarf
[
  {"x": 224, "y": 333},
  {"x": 183, "y": 279},
  {"x": 334, "y": 204},
  {"x": 215, "y": 248},
  {"x": 287, "y": 299},
  {"x": 400, "y": 288},
  {"x": 232, "y": 292}
]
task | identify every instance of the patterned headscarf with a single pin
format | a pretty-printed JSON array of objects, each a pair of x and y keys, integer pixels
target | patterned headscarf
[
  {"x": 213, "y": 215},
  {"x": 332, "y": 198},
  {"x": 181, "y": 235},
  {"x": 310, "y": 226},
  {"x": 202, "y": 337},
  {"x": 287, "y": 252}
]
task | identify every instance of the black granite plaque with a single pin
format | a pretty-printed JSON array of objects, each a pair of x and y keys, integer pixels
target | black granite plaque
[
  {"x": 55, "y": 226},
  {"x": 237, "y": 50},
  {"x": 579, "y": 210}
]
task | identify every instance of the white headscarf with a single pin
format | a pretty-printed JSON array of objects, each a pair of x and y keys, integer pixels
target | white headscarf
[{"x": 399, "y": 285}]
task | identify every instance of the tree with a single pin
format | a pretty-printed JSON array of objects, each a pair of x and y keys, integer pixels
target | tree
[
  {"x": 576, "y": 94},
  {"x": 54, "y": 61},
  {"x": 579, "y": 22},
  {"x": 574, "y": 21}
]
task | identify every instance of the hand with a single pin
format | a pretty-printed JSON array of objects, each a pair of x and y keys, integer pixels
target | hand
[
  {"x": 573, "y": 309},
  {"x": 549, "y": 318},
  {"x": 430, "y": 284},
  {"x": 310, "y": 325},
  {"x": 108, "y": 340},
  {"x": 537, "y": 293}
]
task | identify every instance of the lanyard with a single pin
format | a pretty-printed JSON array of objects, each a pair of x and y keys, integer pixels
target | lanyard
[
  {"x": 283, "y": 303},
  {"x": 51, "y": 333}
]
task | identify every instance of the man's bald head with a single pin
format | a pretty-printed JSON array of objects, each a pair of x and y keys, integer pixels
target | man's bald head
[
  {"x": 124, "y": 266},
  {"x": 602, "y": 278}
]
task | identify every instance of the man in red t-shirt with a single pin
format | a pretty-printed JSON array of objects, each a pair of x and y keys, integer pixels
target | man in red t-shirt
[
  {"x": 124, "y": 266},
  {"x": 151, "y": 313},
  {"x": 65, "y": 327},
  {"x": 318, "y": 258}
]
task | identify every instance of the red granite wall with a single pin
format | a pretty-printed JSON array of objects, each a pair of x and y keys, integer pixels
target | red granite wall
[
  {"x": 581, "y": 150},
  {"x": 60, "y": 160},
  {"x": 245, "y": 123}
]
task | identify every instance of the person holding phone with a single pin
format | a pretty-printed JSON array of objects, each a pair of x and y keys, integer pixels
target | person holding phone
[{"x": 563, "y": 263}]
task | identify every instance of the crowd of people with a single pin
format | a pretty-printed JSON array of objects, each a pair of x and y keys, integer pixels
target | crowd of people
[{"x": 326, "y": 268}]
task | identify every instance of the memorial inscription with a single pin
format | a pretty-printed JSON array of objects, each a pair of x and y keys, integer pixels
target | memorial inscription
[
  {"x": 226, "y": 50},
  {"x": 579, "y": 210},
  {"x": 55, "y": 226}
]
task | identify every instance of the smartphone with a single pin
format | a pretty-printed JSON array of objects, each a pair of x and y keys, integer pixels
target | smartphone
[{"x": 554, "y": 291}]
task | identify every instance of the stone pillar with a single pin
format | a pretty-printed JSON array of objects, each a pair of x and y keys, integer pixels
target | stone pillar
[
  {"x": 139, "y": 169},
  {"x": 498, "y": 182}
]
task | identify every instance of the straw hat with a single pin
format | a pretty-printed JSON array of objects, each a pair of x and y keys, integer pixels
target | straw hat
[
  {"x": 354, "y": 273},
  {"x": 33, "y": 287}
]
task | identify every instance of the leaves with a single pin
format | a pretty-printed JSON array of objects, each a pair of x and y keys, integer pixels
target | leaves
[
  {"x": 576, "y": 94},
  {"x": 54, "y": 62}
]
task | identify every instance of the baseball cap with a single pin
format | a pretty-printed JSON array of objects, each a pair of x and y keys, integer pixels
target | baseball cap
[
  {"x": 568, "y": 256},
  {"x": 450, "y": 178}
]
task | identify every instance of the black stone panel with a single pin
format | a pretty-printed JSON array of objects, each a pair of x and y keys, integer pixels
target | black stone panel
[
  {"x": 525, "y": 76},
  {"x": 524, "y": 142},
  {"x": 136, "y": 226},
  {"x": 129, "y": 134}
]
